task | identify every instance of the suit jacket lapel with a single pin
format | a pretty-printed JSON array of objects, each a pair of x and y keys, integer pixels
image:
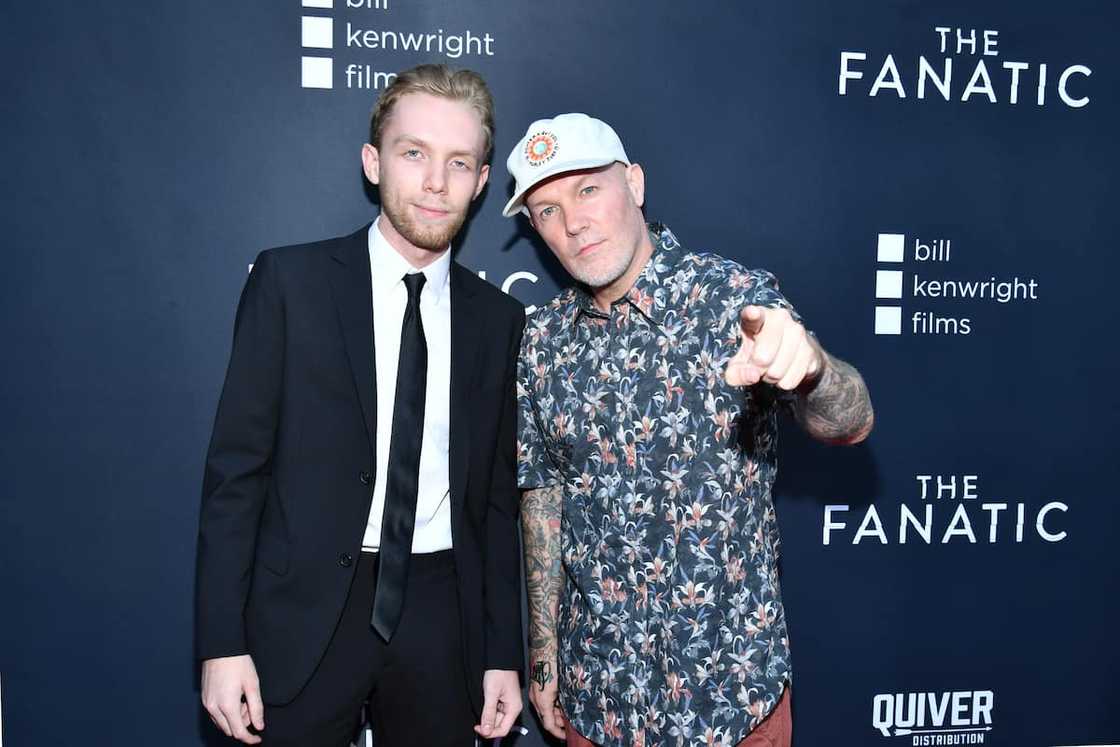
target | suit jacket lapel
[
  {"x": 465, "y": 330},
  {"x": 353, "y": 297}
]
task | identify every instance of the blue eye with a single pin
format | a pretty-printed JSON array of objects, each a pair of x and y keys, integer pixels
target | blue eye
[
  {"x": 588, "y": 189},
  {"x": 412, "y": 153},
  {"x": 546, "y": 212}
]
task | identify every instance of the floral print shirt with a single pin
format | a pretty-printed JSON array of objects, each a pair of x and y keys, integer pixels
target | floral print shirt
[{"x": 671, "y": 626}]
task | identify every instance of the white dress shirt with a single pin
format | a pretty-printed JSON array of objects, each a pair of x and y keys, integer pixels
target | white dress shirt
[{"x": 390, "y": 297}]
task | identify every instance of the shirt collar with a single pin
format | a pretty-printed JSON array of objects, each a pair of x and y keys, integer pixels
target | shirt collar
[
  {"x": 388, "y": 267},
  {"x": 647, "y": 294}
]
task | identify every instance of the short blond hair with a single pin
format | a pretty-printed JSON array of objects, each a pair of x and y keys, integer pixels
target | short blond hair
[{"x": 466, "y": 86}]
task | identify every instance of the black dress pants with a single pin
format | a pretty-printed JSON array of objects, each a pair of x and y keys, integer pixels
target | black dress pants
[{"x": 416, "y": 684}]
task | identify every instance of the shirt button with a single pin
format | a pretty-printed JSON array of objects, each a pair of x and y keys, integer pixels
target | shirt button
[
  {"x": 346, "y": 560},
  {"x": 364, "y": 477}
]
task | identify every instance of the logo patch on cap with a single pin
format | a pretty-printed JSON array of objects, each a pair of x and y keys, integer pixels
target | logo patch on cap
[{"x": 540, "y": 148}]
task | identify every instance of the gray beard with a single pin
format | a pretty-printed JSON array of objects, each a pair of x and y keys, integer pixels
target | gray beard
[{"x": 606, "y": 276}]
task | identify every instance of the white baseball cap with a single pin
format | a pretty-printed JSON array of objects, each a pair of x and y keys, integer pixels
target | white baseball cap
[{"x": 567, "y": 142}]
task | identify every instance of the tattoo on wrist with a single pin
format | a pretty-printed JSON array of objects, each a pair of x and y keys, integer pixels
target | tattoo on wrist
[
  {"x": 541, "y": 673},
  {"x": 836, "y": 407}
]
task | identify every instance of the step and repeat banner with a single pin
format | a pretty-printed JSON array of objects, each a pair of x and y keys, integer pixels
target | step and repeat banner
[{"x": 934, "y": 184}]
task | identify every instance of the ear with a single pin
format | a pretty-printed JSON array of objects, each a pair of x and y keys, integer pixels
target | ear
[
  {"x": 371, "y": 163},
  {"x": 483, "y": 175},
  {"x": 636, "y": 181}
]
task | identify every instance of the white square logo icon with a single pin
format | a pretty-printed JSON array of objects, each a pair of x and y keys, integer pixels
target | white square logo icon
[
  {"x": 318, "y": 72},
  {"x": 326, "y": 4},
  {"x": 318, "y": 32},
  {"x": 888, "y": 320},
  {"x": 888, "y": 284},
  {"x": 892, "y": 247}
]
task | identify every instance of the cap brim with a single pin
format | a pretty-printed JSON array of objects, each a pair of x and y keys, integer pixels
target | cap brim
[{"x": 513, "y": 207}]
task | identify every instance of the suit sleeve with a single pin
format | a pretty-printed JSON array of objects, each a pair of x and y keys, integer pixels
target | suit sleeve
[
  {"x": 504, "y": 647},
  {"x": 238, "y": 464}
]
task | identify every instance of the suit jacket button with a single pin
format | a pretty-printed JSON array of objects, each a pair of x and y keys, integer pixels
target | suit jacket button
[
  {"x": 364, "y": 477},
  {"x": 346, "y": 560}
]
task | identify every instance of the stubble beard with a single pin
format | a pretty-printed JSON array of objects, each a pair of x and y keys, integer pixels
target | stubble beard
[
  {"x": 606, "y": 276},
  {"x": 434, "y": 238}
]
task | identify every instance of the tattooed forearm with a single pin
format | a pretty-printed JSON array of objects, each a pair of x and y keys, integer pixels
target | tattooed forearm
[
  {"x": 836, "y": 407},
  {"x": 540, "y": 527}
]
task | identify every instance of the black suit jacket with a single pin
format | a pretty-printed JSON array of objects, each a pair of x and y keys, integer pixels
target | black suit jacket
[{"x": 289, "y": 473}]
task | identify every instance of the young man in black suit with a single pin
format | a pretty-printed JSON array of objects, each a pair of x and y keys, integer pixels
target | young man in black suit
[{"x": 357, "y": 538}]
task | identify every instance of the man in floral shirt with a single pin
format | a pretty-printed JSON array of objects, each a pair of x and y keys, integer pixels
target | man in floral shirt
[{"x": 648, "y": 396}]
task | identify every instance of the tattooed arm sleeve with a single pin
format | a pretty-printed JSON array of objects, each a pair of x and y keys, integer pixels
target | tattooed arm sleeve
[
  {"x": 836, "y": 406},
  {"x": 540, "y": 526}
]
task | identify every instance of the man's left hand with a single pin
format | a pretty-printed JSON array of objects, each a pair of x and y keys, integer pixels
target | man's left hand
[
  {"x": 501, "y": 694},
  {"x": 774, "y": 348}
]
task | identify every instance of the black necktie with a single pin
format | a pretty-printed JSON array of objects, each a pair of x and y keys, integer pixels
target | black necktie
[{"x": 402, "y": 480}]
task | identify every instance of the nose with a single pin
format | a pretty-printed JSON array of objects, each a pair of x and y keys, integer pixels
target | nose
[
  {"x": 435, "y": 179},
  {"x": 575, "y": 222}
]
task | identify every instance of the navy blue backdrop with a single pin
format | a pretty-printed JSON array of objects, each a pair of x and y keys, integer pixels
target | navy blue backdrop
[{"x": 933, "y": 182}]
